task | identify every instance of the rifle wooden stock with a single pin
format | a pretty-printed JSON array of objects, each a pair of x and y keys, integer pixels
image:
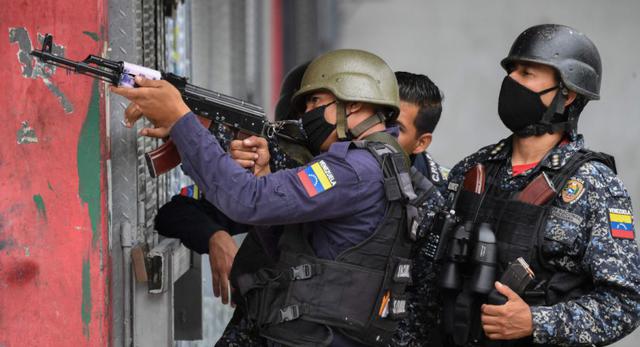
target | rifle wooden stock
[
  {"x": 538, "y": 192},
  {"x": 162, "y": 159},
  {"x": 166, "y": 157},
  {"x": 474, "y": 179}
]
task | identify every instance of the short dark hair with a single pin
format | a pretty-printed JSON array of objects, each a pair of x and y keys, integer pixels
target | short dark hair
[{"x": 421, "y": 91}]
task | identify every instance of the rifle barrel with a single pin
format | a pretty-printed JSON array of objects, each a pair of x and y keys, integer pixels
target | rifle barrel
[{"x": 104, "y": 73}]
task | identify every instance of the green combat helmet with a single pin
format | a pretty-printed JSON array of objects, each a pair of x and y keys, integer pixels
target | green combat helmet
[{"x": 352, "y": 76}]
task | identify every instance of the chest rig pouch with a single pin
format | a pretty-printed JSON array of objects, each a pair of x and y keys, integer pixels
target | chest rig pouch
[
  {"x": 516, "y": 224},
  {"x": 301, "y": 299}
]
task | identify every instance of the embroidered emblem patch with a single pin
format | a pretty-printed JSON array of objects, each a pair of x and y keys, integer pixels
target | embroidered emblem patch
[
  {"x": 317, "y": 178},
  {"x": 566, "y": 215},
  {"x": 191, "y": 191},
  {"x": 621, "y": 224},
  {"x": 572, "y": 191}
]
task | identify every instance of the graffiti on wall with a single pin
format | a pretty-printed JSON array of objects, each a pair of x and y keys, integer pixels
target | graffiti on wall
[{"x": 33, "y": 68}]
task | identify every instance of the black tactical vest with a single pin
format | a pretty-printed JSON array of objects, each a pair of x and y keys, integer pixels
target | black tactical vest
[
  {"x": 297, "y": 299},
  {"x": 519, "y": 229}
]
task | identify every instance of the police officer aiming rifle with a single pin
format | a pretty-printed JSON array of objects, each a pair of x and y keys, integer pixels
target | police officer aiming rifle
[{"x": 347, "y": 213}]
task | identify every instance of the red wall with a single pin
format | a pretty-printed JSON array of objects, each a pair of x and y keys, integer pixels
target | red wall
[{"x": 54, "y": 259}]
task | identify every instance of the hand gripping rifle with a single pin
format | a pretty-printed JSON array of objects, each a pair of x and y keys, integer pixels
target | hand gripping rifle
[{"x": 244, "y": 118}]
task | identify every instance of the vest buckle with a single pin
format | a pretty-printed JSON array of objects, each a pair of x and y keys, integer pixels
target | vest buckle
[
  {"x": 398, "y": 307},
  {"x": 301, "y": 272},
  {"x": 413, "y": 222},
  {"x": 289, "y": 313}
]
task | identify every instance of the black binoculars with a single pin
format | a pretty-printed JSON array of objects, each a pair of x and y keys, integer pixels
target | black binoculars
[{"x": 463, "y": 244}]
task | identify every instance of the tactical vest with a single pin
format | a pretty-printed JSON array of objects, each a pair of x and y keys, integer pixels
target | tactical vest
[
  {"x": 519, "y": 228},
  {"x": 297, "y": 299}
]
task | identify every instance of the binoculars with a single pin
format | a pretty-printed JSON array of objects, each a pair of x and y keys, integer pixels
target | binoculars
[{"x": 466, "y": 244}]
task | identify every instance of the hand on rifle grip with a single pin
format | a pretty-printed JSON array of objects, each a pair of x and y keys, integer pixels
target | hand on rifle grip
[{"x": 251, "y": 153}]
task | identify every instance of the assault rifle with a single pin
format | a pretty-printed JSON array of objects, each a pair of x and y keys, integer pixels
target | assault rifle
[{"x": 244, "y": 118}]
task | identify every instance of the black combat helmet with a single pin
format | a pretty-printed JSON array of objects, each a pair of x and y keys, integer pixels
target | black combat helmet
[
  {"x": 290, "y": 137},
  {"x": 570, "y": 52},
  {"x": 290, "y": 85}
]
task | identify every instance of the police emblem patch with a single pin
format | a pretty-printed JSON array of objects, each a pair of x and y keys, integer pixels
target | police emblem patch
[
  {"x": 621, "y": 224},
  {"x": 572, "y": 191},
  {"x": 316, "y": 178}
]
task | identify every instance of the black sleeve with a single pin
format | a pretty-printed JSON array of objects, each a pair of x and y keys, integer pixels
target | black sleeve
[{"x": 193, "y": 222}]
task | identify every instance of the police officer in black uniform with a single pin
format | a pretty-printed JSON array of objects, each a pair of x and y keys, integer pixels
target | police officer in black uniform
[{"x": 539, "y": 198}]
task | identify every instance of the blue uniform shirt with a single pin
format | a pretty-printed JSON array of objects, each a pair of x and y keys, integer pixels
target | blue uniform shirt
[
  {"x": 345, "y": 199},
  {"x": 339, "y": 196},
  {"x": 583, "y": 235}
]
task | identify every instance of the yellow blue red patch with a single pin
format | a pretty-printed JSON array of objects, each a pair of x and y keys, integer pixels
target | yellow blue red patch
[
  {"x": 621, "y": 224},
  {"x": 191, "y": 191},
  {"x": 317, "y": 178}
]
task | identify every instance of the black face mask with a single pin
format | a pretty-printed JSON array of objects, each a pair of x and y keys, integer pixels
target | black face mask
[
  {"x": 519, "y": 107},
  {"x": 316, "y": 127}
]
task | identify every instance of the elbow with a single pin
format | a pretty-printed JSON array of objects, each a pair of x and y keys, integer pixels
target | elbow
[
  {"x": 240, "y": 215},
  {"x": 240, "y": 211}
]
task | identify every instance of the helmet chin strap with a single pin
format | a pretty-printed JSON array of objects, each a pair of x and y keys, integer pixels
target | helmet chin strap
[
  {"x": 367, "y": 124},
  {"x": 546, "y": 125},
  {"x": 342, "y": 129},
  {"x": 341, "y": 121}
]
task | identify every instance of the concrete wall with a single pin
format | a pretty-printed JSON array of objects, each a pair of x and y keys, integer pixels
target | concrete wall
[{"x": 459, "y": 45}]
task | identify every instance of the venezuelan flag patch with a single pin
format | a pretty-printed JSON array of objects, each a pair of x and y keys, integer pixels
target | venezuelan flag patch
[
  {"x": 621, "y": 224},
  {"x": 317, "y": 178},
  {"x": 191, "y": 191}
]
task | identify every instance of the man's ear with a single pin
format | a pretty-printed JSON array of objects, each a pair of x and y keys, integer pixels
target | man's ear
[
  {"x": 423, "y": 143},
  {"x": 570, "y": 97},
  {"x": 354, "y": 107}
]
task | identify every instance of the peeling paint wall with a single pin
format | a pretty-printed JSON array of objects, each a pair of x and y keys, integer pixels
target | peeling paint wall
[{"x": 54, "y": 257}]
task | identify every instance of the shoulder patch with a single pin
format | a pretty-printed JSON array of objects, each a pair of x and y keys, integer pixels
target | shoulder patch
[
  {"x": 621, "y": 224},
  {"x": 191, "y": 191},
  {"x": 435, "y": 172},
  {"x": 317, "y": 178},
  {"x": 573, "y": 190}
]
